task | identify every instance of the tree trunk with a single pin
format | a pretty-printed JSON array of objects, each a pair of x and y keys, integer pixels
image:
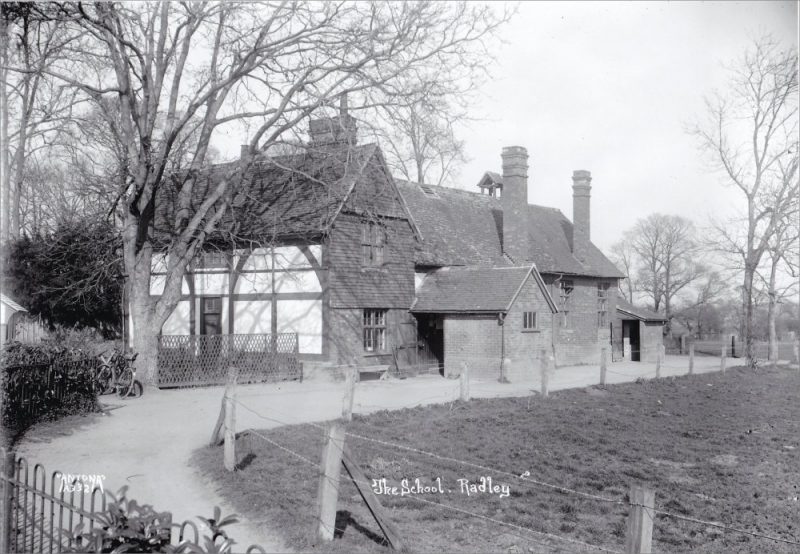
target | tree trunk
[
  {"x": 772, "y": 353},
  {"x": 747, "y": 312},
  {"x": 143, "y": 334}
]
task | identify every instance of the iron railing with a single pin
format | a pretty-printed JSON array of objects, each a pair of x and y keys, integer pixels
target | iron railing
[{"x": 50, "y": 515}]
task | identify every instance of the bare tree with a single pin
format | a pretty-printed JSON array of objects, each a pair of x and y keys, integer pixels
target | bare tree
[
  {"x": 419, "y": 138},
  {"x": 751, "y": 133},
  {"x": 36, "y": 111},
  {"x": 622, "y": 254},
  {"x": 782, "y": 255},
  {"x": 182, "y": 73},
  {"x": 664, "y": 249}
]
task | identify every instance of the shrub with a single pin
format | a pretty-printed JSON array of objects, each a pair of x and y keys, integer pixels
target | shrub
[
  {"x": 127, "y": 526},
  {"x": 44, "y": 382}
]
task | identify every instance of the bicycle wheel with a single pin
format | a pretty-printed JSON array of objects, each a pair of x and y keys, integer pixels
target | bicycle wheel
[
  {"x": 125, "y": 382},
  {"x": 136, "y": 389},
  {"x": 103, "y": 380}
]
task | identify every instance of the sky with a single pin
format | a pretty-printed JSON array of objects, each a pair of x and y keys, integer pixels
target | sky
[{"x": 610, "y": 87}]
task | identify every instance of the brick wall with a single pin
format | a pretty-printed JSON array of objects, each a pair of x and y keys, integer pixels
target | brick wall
[
  {"x": 523, "y": 347},
  {"x": 651, "y": 336},
  {"x": 474, "y": 340},
  {"x": 580, "y": 341},
  {"x": 478, "y": 340}
]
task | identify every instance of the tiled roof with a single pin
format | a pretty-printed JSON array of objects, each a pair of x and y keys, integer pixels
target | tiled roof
[
  {"x": 471, "y": 289},
  {"x": 284, "y": 197},
  {"x": 643, "y": 314},
  {"x": 466, "y": 228}
]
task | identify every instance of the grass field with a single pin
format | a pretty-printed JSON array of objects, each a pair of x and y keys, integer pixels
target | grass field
[{"x": 720, "y": 448}]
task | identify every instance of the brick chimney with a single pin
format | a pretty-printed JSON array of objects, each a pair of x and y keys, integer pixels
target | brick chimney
[
  {"x": 245, "y": 153},
  {"x": 515, "y": 203},
  {"x": 340, "y": 129},
  {"x": 581, "y": 213}
]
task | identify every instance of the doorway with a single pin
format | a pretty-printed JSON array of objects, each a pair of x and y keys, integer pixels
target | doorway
[
  {"x": 631, "y": 346},
  {"x": 430, "y": 346}
]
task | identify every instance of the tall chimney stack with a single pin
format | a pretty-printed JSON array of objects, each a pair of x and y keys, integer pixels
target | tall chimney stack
[
  {"x": 515, "y": 203},
  {"x": 581, "y": 213}
]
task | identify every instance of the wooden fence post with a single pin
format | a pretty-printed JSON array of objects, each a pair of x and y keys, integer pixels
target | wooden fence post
[
  {"x": 639, "y": 538},
  {"x": 658, "y": 362},
  {"x": 230, "y": 420},
  {"x": 603, "y": 365},
  {"x": 691, "y": 358},
  {"x": 797, "y": 354},
  {"x": 464, "y": 381},
  {"x": 7, "y": 491},
  {"x": 330, "y": 471},
  {"x": 722, "y": 359},
  {"x": 349, "y": 393},
  {"x": 545, "y": 368}
]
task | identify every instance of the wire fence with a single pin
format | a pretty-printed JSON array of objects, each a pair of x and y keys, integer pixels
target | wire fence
[{"x": 526, "y": 478}]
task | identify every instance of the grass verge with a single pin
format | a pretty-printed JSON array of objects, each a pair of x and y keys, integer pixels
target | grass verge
[{"x": 721, "y": 448}]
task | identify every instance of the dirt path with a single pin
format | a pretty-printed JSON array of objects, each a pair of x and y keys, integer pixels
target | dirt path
[{"x": 146, "y": 443}]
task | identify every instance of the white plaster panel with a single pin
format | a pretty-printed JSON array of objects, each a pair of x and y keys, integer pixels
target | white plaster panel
[
  {"x": 211, "y": 284},
  {"x": 178, "y": 321},
  {"x": 259, "y": 259},
  {"x": 157, "y": 284},
  {"x": 252, "y": 317},
  {"x": 158, "y": 263},
  {"x": 290, "y": 257},
  {"x": 254, "y": 283},
  {"x": 297, "y": 281},
  {"x": 303, "y": 317}
]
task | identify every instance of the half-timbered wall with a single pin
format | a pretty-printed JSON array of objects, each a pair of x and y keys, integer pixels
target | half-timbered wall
[{"x": 266, "y": 290}]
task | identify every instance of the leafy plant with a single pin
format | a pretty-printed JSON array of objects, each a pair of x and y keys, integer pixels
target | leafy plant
[{"x": 127, "y": 526}]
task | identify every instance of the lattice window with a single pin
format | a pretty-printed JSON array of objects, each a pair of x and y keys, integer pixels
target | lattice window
[
  {"x": 213, "y": 259},
  {"x": 529, "y": 321},
  {"x": 565, "y": 289},
  {"x": 602, "y": 305},
  {"x": 373, "y": 239},
  {"x": 212, "y": 305},
  {"x": 374, "y": 330}
]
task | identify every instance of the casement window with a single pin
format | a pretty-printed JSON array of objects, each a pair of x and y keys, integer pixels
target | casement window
[
  {"x": 529, "y": 321},
  {"x": 565, "y": 288},
  {"x": 602, "y": 305},
  {"x": 373, "y": 238},
  {"x": 213, "y": 259},
  {"x": 374, "y": 330}
]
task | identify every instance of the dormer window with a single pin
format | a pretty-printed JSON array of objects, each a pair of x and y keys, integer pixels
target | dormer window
[{"x": 491, "y": 184}]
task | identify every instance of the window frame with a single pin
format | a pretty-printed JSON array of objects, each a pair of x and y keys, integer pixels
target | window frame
[
  {"x": 602, "y": 304},
  {"x": 566, "y": 288},
  {"x": 374, "y": 330},
  {"x": 373, "y": 244},
  {"x": 213, "y": 259},
  {"x": 530, "y": 321}
]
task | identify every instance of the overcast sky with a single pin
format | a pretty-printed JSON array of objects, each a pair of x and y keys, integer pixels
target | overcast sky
[{"x": 610, "y": 87}]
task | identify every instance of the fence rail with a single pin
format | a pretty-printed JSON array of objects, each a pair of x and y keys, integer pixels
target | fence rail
[{"x": 199, "y": 360}]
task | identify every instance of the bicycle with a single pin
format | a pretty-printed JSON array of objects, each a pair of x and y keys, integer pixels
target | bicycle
[{"x": 117, "y": 374}]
